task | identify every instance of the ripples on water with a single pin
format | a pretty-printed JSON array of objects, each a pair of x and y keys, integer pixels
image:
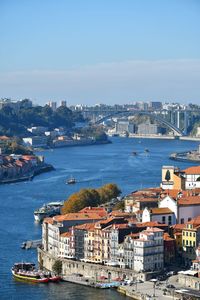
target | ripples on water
[{"x": 92, "y": 166}]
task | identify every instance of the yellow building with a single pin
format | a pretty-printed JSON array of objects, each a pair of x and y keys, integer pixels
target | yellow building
[{"x": 190, "y": 239}]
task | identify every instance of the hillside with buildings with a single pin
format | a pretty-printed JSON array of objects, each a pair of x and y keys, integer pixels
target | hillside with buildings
[
  {"x": 17, "y": 116},
  {"x": 159, "y": 228}
]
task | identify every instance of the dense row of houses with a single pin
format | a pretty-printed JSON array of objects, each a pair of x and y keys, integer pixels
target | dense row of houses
[
  {"x": 157, "y": 228},
  {"x": 16, "y": 166},
  {"x": 98, "y": 237}
]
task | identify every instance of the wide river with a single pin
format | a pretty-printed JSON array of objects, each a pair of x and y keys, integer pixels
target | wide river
[{"x": 92, "y": 166}]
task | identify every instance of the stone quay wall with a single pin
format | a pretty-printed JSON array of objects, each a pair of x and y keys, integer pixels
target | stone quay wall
[
  {"x": 70, "y": 267},
  {"x": 189, "y": 281}
]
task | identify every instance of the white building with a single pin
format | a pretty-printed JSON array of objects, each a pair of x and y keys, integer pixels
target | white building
[
  {"x": 184, "y": 208},
  {"x": 192, "y": 177},
  {"x": 37, "y": 129},
  {"x": 124, "y": 126},
  {"x": 149, "y": 250},
  {"x": 147, "y": 128},
  {"x": 52, "y": 228},
  {"x": 53, "y": 105},
  {"x": 162, "y": 215},
  {"x": 35, "y": 141},
  {"x": 65, "y": 249}
]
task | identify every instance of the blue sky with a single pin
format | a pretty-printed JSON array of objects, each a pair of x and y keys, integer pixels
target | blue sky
[{"x": 108, "y": 51}]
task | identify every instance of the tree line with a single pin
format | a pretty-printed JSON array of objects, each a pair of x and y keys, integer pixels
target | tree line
[
  {"x": 90, "y": 197},
  {"x": 15, "y": 122}
]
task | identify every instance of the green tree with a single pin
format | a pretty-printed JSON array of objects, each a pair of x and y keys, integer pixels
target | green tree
[
  {"x": 57, "y": 267},
  {"x": 167, "y": 175}
]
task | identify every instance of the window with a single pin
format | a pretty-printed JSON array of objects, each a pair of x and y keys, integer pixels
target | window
[
  {"x": 182, "y": 221},
  {"x": 163, "y": 219},
  {"x": 193, "y": 234},
  {"x": 170, "y": 220},
  {"x": 189, "y": 219}
]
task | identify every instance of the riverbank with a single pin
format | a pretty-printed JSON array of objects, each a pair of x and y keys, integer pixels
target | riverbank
[
  {"x": 152, "y": 136},
  {"x": 27, "y": 177},
  {"x": 192, "y": 156},
  {"x": 89, "y": 270},
  {"x": 189, "y": 138}
]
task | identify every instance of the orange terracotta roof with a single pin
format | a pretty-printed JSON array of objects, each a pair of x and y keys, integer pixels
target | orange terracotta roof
[
  {"x": 161, "y": 211},
  {"x": 177, "y": 233},
  {"x": 102, "y": 222},
  {"x": 100, "y": 210},
  {"x": 167, "y": 237},
  {"x": 120, "y": 226},
  {"x": 110, "y": 219},
  {"x": 87, "y": 226},
  {"x": 147, "y": 199},
  {"x": 152, "y": 229},
  {"x": 178, "y": 226},
  {"x": 195, "y": 222},
  {"x": 190, "y": 200},
  {"x": 117, "y": 213},
  {"x": 48, "y": 220},
  {"x": 150, "y": 224},
  {"x": 77, "y": 216},
  {"x": 133, "y": 235},
  {"x": 193, "y": 170},
  {"x": 65, "y": 234}
]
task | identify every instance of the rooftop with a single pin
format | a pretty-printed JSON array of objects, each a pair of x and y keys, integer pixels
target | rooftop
[
  {"x": 87, "y": 226},
  {"x": 77, "y": 216},
  {"x": 66, "y": 234},
  {"x": 161, "y": 211},
  {"x": 190, "y": 200},
  {"x": 195, "y": 170}
]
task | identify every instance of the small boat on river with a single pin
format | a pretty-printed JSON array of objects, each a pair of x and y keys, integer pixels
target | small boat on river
[
  {"x": 27, "y": 272},
  {"x": 71, "y": 180}
]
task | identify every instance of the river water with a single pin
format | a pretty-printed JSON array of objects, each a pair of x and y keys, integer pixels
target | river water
[{"x": 92, "y": 166}]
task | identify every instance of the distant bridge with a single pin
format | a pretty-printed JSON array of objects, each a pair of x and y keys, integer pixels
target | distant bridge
[{"x": 152, "y": 115}]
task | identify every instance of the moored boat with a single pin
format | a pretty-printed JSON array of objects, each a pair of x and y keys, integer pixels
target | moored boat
[
  {"x": 48, "y": 210},
  {"x": 54, "y": 278},
  {"x": 27, "y": 272}
]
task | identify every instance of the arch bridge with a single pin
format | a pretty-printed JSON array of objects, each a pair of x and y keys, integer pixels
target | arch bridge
[{"x": 154, "y": 116}]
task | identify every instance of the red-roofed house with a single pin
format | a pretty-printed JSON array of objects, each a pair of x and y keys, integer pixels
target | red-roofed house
[
  {"x": 184, "y": 207},
  {"x": 162, "y": 215},
  {"x": 51, "y": 230},
  {"x": 192, "y": 177}
]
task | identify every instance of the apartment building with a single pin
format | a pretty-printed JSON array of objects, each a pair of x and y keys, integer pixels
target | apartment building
[{"x": 149, "y": 250}]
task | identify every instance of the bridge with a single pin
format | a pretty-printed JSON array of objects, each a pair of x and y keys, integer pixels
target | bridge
[{"x": 152, "y": 115}]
